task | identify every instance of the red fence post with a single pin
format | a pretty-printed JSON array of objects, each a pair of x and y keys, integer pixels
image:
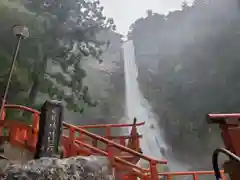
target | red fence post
[
  {"x": 153, "y": 170},
  {"x": 195, "y": 176},
  {"x": 169, "y": 177},
  {"x": 109, "y": 145},
  {"x": 70, "y": 143},
  {"x": 3, "y": 115},
  {"x": 35, "y": 127}
]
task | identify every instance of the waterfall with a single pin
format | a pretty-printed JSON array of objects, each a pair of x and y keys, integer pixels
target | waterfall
[{"x": 152, "y": 143}]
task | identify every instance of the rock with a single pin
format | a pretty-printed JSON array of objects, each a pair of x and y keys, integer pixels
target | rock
[
  {"x": 15, "y": 153},
  {"x": 74, "y": 168}
]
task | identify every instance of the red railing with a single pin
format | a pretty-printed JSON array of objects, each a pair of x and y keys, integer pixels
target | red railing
[
  {"x": 26, "y": 135},
  {"x": 72, "y": 140},
  {"x": 121, "y": 139},
  {"x": 194, "y": 174},
  {"x": 71, "y": 144},
  {"x": 223, "y": 116}
]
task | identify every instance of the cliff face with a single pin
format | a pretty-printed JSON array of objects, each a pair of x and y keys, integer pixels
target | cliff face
[
  {"x": 106, "y": 84},
  {"x": 187, "y": 63}
]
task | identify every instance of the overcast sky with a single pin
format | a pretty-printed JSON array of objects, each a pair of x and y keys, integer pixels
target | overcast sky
[{"x": 125, "y": 12}]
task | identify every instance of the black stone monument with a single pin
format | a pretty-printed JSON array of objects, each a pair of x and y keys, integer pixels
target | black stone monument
[{"x": 50, "y": 129}]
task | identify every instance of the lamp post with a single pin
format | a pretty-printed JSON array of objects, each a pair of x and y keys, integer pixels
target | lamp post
[{"x": 21, "y": 32}]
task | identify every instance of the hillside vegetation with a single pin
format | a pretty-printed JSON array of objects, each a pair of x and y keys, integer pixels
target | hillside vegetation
[
  {"x": 188, "y": 66},
  {"x": 63, "y": 37}
]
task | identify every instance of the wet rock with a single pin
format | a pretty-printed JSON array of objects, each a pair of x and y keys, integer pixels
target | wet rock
[{"x": 74, "y": 168}]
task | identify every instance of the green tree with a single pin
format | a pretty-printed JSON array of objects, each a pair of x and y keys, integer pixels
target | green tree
[
  {"x": 14, "y": 13},
  {"x": 70, "y": 29}
]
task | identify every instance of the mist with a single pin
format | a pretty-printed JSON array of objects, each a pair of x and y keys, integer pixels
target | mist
[{"x": 186, "y": 64}]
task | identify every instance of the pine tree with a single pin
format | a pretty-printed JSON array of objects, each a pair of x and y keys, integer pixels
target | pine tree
[{"x": 70, "y": 29}]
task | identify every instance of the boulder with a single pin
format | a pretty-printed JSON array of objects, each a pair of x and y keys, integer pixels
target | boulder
[{"x": 74, "y": 168}]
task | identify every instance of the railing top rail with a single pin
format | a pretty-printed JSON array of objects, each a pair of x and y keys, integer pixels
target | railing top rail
[
  {"x": 25, "y": 108},
  {"x": 188, "y": 173},
  {"x": 102, "y": 139},
  {"x": 222, "y": 118},
  {"x": 90, "y": 134},
  {"x": 111, "y": 125},
  {"x": 114, "y": 137},
  {"x": 217, "y": 116}
]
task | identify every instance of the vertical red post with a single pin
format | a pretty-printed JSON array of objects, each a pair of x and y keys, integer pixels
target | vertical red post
[
  {"x": 122, "y": 141},
  {"x": 70, "y": 142},
  {"x": 3, "y": 114},
  {"x": 108, "y": 134},
  {"x": 109, "y": 146},
  {"x": 153, "y": 170},
  {"x": 169, "y": 177},
  {"x": 195, "y": 176},
  {"x": 2, "y": 119},
  {"x": 226, "y": 137},
  {"x": 35, "y": 123},
  {"x": 35, "y": 127}
]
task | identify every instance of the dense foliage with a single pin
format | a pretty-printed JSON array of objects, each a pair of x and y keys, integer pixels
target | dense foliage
[
  {"x": 188, "y": 63},
  {"x": 62, "y": 34}
]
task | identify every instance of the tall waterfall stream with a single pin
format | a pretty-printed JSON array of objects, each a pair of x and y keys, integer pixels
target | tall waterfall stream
[{"x": 137, "y": 106}]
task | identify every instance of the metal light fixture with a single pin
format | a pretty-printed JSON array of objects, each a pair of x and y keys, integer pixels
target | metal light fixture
[{"x": 21, "y": 32}]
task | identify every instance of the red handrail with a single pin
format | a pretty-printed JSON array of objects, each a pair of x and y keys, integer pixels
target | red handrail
[
  {"x": 106, "y": 154},
  {"x": 231, "y": 118},
  {"x": 117, "y": 161},
  {"x": 25, "y": 108},
  {"x": 111, "y": 125},
  {"x": 194, "y": 174},
  {"x": 111, "y": 144},
  {"x": 230, "y": 115},
  {"x": 107, "y": 141}
]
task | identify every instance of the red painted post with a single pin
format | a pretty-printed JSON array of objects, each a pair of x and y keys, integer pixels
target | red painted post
[
  {"x": 70, "y": 142},
  {"x": 122, "y": 141},
  {"x": 35, "y": 123},
  {"x": 169, "y": 177},
  {"x": 153, "y": 170},
  {"x": 2, "y": 119},
  {"x": 3, "y": 114},
  {"x": 195, "y": 176},
  {"x": 35, "y": 127},
  {"x": 109, "y": 145}
]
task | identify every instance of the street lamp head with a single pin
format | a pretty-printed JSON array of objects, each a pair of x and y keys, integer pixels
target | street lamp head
[{"x": 20, "y": 31}]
